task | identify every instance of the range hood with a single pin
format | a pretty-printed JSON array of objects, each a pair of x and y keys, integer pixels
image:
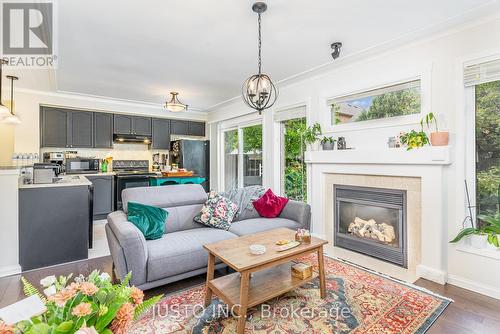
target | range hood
[{"x": 132, "y": 139}]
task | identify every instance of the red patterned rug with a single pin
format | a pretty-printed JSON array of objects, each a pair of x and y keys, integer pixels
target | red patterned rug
[{"x": 358, "y": 301}]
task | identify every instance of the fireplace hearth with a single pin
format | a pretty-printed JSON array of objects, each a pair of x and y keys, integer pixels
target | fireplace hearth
[{"x": 371, "y": 221}]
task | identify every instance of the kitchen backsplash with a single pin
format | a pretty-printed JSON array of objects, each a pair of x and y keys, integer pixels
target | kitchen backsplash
[{"x": 118, "y": 152}]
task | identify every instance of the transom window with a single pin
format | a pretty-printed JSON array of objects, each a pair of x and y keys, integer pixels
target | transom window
[{"x": 390, "y": 101}]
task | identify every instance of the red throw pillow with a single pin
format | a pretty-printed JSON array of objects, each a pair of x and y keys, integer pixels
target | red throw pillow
[{"x": 270, "y": 205}]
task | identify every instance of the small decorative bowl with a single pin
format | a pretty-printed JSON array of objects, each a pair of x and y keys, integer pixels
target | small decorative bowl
[{"x": 257, "y": 249}]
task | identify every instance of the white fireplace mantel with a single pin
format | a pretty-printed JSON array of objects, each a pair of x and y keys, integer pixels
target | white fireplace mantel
[{"x": 388, "y": 156}]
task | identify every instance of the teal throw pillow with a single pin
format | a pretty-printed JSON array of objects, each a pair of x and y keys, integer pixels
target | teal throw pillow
[{"x": 150, "y": 220}]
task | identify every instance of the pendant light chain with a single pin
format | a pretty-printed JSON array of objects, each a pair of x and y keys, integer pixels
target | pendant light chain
[{"x": 260, "y": 45}]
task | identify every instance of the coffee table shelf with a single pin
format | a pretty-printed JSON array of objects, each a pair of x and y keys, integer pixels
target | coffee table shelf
[{"x": 264, "y": 285}]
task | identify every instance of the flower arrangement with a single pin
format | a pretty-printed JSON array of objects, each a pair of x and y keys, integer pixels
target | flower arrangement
[{"x": 88, "y": 305}]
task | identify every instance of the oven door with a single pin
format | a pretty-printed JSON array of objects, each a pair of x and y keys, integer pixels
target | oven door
[{"x": 128, "y": 181}]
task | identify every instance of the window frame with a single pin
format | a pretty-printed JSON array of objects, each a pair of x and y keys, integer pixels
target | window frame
[
  {"x": 239, "y": 127},
  {"x": 425, "y": 101}
]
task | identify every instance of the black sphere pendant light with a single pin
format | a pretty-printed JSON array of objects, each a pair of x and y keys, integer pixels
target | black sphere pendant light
[{"x": 258, "y": 91}]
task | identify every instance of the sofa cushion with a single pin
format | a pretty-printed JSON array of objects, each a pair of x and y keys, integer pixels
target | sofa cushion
[
  {"x": 150, "y": 220},
  {"x": 217, "y": 212},
  {"x": 180, "y": 218},
  {"x": 256, "y": 225},
  {"x": 181, "y": 252},
  {"x": 270, "y": 205},
  {"x": 166, "y": 196},
  {"x": 243, "y": 197}
]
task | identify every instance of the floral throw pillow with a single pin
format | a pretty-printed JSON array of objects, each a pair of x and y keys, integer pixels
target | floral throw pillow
[{"x": 217, "y": 212}]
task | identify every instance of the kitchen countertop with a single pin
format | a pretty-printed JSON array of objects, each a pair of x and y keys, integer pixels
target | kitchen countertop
[
  {"x": 89, "y": 174},
  {"x": 65, "y": 181}
]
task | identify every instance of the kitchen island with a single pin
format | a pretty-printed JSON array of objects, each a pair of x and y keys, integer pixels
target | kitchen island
[{"x": 55, "y": 221}]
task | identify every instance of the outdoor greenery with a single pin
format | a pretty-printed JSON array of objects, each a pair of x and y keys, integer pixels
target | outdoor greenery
[
  {"x": 488, "y": 148},
  {"x": 295, "y": 176},
  {"x": 399, "y": 103}
]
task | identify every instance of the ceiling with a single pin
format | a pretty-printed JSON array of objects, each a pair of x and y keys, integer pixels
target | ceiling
[{"x": 142, "y": 50}]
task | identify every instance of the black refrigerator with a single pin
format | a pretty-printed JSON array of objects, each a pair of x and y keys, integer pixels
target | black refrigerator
[{"x": 193, "y": 155}]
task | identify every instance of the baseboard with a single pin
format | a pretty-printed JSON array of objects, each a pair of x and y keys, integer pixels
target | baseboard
[
  {"x": 431, "y": 274},
  {"x": 10, "y": 270},
  {"x": 465, "y": 283}
]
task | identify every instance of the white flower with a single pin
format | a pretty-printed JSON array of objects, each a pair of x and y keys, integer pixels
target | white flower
[
  {"x": 51, "y": 290},
  {"x": 104, "y": 277},
  {"x": 48, "y": 281}
]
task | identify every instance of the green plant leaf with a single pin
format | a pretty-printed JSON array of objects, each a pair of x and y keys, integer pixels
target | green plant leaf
[
  {"x": 64, "y": 327},
  {"x": 106, "y": 319},
  {"x": 41, "y": 328},
  {"x": 463, "y": 233},
  {"x": 146, "y": 305},
  {"x": 30, "y": 290}
]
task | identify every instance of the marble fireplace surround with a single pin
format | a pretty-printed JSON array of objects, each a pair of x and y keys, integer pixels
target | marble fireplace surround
[{"x": 422, "y": 179}]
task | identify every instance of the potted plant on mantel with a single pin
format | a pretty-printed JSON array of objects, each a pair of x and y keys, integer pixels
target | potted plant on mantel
[
  {"x": 485, "y": 233},
  {"x": 328, "y": 143},
  {"x": 414, "y": 139},
  {"x": 438, "y": 138},
  {"x": 311, "y": 136}
]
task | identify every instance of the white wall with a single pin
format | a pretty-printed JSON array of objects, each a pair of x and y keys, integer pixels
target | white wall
[
  {"x": 27, "y": 134},
  {"x": 438, "y": 62}
]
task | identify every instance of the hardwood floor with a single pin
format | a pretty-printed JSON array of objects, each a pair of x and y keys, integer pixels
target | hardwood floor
[{"x": 471, "y": 313}]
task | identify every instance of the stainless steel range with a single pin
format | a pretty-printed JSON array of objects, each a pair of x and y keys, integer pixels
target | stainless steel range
[{"x": 130, "y": 174}]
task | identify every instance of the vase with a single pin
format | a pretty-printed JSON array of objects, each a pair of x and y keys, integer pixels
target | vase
[
  {"x": 328, "y": 146},
  {"x": 440, "y": 138},
  {"x": 478, "y": 241},
  {"x": 313, "y": 147}
]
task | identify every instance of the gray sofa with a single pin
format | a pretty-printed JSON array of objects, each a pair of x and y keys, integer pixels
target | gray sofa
[{"x": 179, "y": 253}]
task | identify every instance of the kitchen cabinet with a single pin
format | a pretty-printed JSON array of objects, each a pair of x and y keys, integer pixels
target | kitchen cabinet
[
  {"x": 161, "y": 134},
  {"x": 81, "y": 129},
  {"x": 54, "y": 225},
  {"x": 196, "y": 129},
  {"x": 53, "y": 127},
  {"x": 103, "y": 130},
  {"x": 132, "y": 125},
  {"x": 178, "y": 127},
  {"x": 66, "y": 128},
  {"x": 103, "y": 199}
]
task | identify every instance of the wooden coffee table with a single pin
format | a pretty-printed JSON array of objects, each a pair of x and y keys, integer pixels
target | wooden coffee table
[{"x": 271, "y": 271}]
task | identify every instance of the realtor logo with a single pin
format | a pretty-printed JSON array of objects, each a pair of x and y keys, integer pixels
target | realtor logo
[{"x": 28, "y": 30}]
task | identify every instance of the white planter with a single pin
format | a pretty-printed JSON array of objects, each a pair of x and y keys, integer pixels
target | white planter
[
  {"x": 478, "y": 241},
  {"x": 313, "y": 147}
]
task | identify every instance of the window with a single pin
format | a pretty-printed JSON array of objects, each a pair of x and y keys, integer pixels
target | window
[
  {"x": 487, "y": 101},
  {"x": 483, "y": 82},
  {"x": 242, "y": 157},
  {"x": 292, "y": 123},
  {"x": 294, "y": 172},
  {"x": 391, "y": 101}
]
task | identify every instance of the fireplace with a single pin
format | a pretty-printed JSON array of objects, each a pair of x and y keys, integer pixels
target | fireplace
[{"x": 371, "y": 221}]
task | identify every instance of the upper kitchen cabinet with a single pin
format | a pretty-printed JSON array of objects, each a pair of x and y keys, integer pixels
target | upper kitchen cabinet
[
  {"x": 132, "y": 125},
  {"x": 161, "y": 134},
  {"x": 196, "y": 129},
  {"x": 123, "y": 124},
  {"x": 53, "y": 127},
  {"x": 66, "y": 128},
  {"x": 178, "y": 127},
  {"x": 103, "y": 130},
  {"x": 81, "y": 129},
  {"x": 142, "y": 126}
]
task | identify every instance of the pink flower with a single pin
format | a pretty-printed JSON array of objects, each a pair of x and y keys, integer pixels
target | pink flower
[
  {"x": 88, "y": 288},
  {"x": 82, "y": 310}
]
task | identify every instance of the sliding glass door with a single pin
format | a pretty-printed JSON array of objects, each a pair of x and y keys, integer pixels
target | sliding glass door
[{"x": 242, "y": 157}]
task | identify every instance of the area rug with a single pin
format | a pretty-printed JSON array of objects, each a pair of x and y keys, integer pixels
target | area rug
[{"x": 358, "y": 301}]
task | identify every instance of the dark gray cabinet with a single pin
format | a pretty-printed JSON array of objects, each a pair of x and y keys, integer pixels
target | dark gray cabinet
[
  {"x": 196, "y": 129},
  {"x": 161, "y": 134},
  {"x": 66, "y": 128},
  {"x": 132, "y": 125},
  {"x": 142, "y": 126},
  {"x": 123, "y": 124},
  {"x": 54, "y": 225},
  {"x": 179, "y": 127},
  {"x": 103, "y": 130},
  {"x": 81, "y": 129},
  {"x": 103, "y": 195},
  {"x": 53, "y": 127}
]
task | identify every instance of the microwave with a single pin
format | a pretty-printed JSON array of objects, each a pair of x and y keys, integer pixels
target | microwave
[{"x": 82, "y": 165}]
